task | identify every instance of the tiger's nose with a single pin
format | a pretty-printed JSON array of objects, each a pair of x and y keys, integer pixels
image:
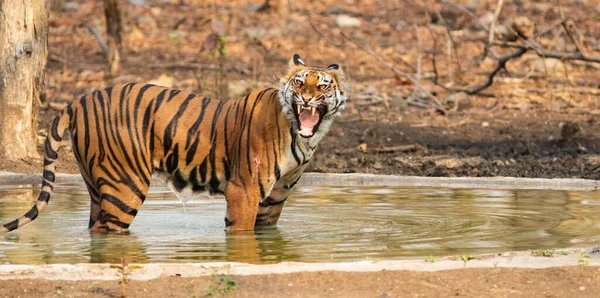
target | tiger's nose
[{"x": 306, "y": 97}]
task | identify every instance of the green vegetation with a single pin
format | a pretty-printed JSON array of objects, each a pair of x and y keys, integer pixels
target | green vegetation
[
  {"x": 466, "y": 258},
  {"x": 124, "y": 270},
  {"x": 583, "y": 259},
  {"x": 221, "y": 285},
  {"x": 543, "y": 252},
  {"x": 431, "y": 259}
]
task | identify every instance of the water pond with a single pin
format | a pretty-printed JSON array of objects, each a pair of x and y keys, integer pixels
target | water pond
[{"x": 319, "y": 224}]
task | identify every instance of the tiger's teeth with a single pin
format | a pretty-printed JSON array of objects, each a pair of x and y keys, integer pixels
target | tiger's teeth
[
  {"x": 299, "y": 109},
  {"x": 312, "y": 110}
]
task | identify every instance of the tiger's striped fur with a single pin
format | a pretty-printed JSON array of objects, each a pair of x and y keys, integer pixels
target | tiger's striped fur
[{"x": 253, "y": 150}]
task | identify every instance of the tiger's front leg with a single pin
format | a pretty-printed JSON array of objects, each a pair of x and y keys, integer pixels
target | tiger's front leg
[
  {"x": 269, "y": 208},
  {"x": 242, "y": 205}
]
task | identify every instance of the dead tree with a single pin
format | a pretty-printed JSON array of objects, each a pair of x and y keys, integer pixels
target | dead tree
[
  {"x": 23, "y": 53},
  {"x": 113, "y": 36}
]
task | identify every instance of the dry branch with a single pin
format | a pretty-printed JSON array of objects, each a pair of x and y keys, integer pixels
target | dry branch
[
  {"x": 437, "y": 104},
  {"x": 318, "y": 31}
]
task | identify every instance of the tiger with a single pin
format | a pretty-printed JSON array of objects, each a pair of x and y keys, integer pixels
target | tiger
[{"x": 252, "y": 150}]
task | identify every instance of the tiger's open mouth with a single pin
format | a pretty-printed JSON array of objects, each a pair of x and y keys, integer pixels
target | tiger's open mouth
[{"x": 309, "y": 118}]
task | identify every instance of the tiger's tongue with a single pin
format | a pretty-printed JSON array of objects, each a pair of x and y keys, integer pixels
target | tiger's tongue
[{"x": 308, "y": 121}]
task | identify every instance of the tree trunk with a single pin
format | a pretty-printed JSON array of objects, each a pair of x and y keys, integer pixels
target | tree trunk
[
  {"x": 113, "y": 36},
  {"x": 281, "y": 7},
  {"x": 23, "y": 53}
]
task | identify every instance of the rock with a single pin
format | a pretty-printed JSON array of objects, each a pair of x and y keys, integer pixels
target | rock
[
  {"x": 138, "y": 2},
  {"x": 569, "y": 129},
  {"x": 256, "y": 32},
  {"x": 163, "y": 80},
  {"x": 347, "y": 21},
  {"x": 474, "y": 161},
  {"x": 459, "y": 101},
  {"x": 523, "y": 26},
  {"x": 449, "y": 163},
  {"x": 136, "y": 34},
  {"x": 71, "y": 6},
  {"x": 593, "y": 159}
]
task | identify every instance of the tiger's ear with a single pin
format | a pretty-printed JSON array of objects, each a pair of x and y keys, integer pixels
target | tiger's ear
[
  {"x": 296, "y": 61},
  {"x": 335, "y": 71}
]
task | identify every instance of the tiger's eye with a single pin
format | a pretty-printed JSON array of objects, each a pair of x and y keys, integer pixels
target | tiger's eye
[{"x": 298, "y": 82}]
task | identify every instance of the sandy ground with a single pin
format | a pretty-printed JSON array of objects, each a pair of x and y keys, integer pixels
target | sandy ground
[{"x": 520, "y": 274}]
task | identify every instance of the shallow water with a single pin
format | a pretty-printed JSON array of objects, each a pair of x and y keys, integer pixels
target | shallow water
[{"x": 318, "y": 224}]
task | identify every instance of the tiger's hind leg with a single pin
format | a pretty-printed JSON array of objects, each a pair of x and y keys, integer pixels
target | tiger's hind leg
[
  {"x": 119, "y": 204},
  {"x": 94, "y": 202}
]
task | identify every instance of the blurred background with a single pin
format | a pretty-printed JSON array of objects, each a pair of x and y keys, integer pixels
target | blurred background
[{"x": 432, "y": 91}]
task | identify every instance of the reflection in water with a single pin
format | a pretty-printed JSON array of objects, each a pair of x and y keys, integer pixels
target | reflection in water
[{"x": 318, "y": 224}]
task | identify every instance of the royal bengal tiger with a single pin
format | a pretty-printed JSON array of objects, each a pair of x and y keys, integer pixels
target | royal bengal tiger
[{"x": 252, "y": 150}]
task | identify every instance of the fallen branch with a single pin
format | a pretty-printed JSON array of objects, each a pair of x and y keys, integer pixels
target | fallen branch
[
  {"x": 53, "y": 106},
  {"x": 550, "y": 54},
  {"x": 99, "y": 38},
  {"x": 499, "y": 66},
  {"x": 197, "y": 66},
  {"x": 393, "y": 149},
  {"x": 401, "y": 148}
]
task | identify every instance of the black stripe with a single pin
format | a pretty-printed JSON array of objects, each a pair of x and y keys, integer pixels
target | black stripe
[
  {"x": 203, "y": 171},
  {"x": 178, "y": 181},
  {"x": 277, "y": 170},
  {"x": 44, "y": 196},
  {"x": 259, "y": 96},
  {"x": 11, "y": 226},
  {"x": 268, "y": 201},
  {"x": 118, "y": 223},
  {"x": 225, "y": 134},
  {"x": 119, "y": 204},
  {"x": 293, "y": 146},
  {"x": 86, "y": 125},
  {"x": 146, "y": 121},
  {"x": 103, "y": 182},
  {"x": 49, "y": 175},
  {"x": 50, "y": 153},
  {"x": 192, "y": 131},
  {"x": 54, "y": 129},
  {"x": 226, "y": 168},
  {"x": 135, "y": 141},
  {"x": 32, "y": 213},
  {"x": 293, "y": 184},
  {"x": 191, "y": 151},
  {"x": 171, "y": 129},
  {"x": 228, "y": 223},
  {"x": 47, "y": 184},
  {"x": 196, "y": 185},
  {"x": 172, "y": 94},
  {"x": 173, "y": 159},
  {"x": 48, "y": 161},
  {"x": 159, "y": 100},
  {"x": 214, "y": 180},
  {"x": 70, "y": 111},
  {"x": 261, "y": 187},
  {"x": 152, "y": 139},
  {"x": 241, "y": 130}
]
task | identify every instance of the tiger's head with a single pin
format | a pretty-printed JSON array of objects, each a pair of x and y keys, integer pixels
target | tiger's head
[{"x": 311, "y": 97}]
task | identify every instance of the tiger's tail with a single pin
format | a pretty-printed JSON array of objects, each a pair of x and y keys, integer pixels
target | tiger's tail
[{"x": 52, "y": 144}]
